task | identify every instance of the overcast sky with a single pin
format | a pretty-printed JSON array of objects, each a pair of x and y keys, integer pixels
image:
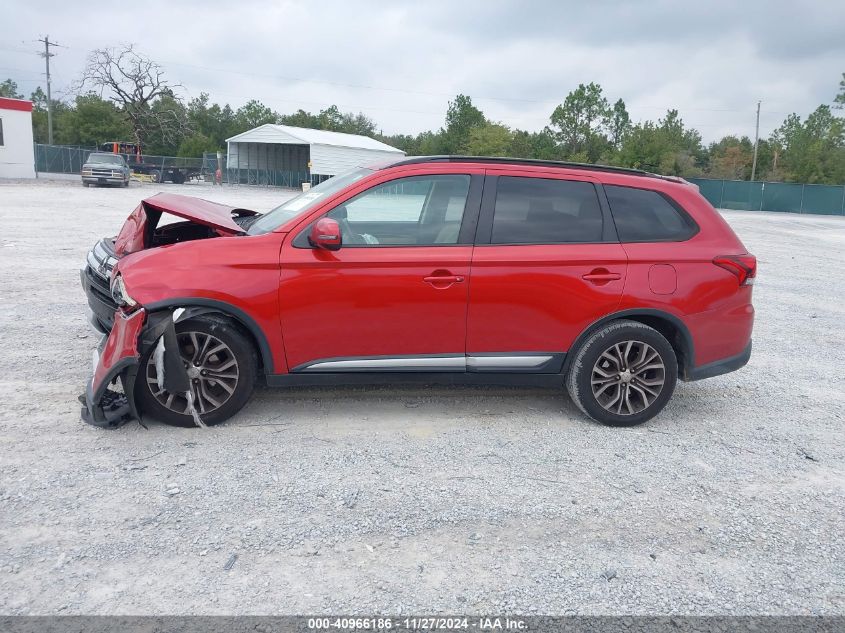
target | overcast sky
[{"x": 400, "y": 62}]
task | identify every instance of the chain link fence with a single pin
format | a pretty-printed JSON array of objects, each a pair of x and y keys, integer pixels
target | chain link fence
[
  {"x": 61, "y": 159},
  {"x": 773, "y": 196},
  {"x": 262, "y": 177},
  {"x": 68, "y": 159}
]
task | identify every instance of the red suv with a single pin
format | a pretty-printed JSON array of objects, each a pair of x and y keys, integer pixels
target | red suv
[{"x": 611, "y": 282}]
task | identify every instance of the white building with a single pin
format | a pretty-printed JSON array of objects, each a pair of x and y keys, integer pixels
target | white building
[
  {"x": 17, "y": 158},
  {"x": 273, "y": 152}
]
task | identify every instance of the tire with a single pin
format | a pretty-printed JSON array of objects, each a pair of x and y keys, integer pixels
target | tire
[
  {"x": 85, "y": 184},
  {"x": 125, "y": 183},
  {"x": 609, "y": 358},
  {"x": 155, "y": 175},
  {"x": 217, "y": 331}
]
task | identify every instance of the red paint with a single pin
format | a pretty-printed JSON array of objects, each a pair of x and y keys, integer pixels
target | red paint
[
  {"x": 662, "y": 279},
  {"x": 535, "y": 299},
  {"x": 213, "y": 214},
  {"x": 325, "y": 234},
  {"x": 121, "y": 343},
  {"x": 132, "y": 233},
  {"x": 21, "y": 105},
  {"x": 314, "y": 304},
  {"x": 372, "y": 302}
]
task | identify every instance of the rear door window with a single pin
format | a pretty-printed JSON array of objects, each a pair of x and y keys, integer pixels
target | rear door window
[
  {"x": 545, "y": 211},
  {"x": 642, "y": 215}
]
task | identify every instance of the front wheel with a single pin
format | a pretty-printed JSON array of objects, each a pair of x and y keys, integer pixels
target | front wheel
[
  {"x": 623, "y": 374},
  {"x": 221, "y": 365}
]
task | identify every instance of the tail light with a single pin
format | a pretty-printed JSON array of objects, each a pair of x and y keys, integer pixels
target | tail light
[{"x": 743, "y": 266}]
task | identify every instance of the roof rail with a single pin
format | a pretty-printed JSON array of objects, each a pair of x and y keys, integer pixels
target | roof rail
[{"x": 493, "y": 160}]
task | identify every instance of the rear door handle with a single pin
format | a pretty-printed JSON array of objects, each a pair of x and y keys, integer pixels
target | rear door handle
[{"x": 601, "y": 275}]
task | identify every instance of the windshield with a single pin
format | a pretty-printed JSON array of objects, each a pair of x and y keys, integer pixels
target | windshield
[
  {"x": 112, "y": 159},
  {"x": 306, "y": 201}
]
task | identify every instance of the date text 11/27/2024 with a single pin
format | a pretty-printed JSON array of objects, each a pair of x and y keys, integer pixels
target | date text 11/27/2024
[{"x": 418, "y": 623}]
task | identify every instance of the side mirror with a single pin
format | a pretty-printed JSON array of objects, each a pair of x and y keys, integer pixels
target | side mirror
[{"x": 326, "y": 234}]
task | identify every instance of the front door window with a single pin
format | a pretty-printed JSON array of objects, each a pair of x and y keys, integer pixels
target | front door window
[{"x": 415, "y": 211}]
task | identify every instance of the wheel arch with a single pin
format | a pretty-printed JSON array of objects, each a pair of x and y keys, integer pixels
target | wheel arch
[
  {"x": 197, "y": 306},
  {"x": 669, "y": 325}
]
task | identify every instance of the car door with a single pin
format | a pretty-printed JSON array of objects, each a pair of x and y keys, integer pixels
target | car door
[
  {"x": 394, "y": 296},
  {"x": 547, "y": 263}
]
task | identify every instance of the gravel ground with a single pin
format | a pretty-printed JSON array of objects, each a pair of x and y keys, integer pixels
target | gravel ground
[{"x": 409, "y": 500}]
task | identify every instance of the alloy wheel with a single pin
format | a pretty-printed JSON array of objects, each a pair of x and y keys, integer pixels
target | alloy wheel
[
  {"x": 212, "y": 370},
  {"x": 628, "y": 377}
]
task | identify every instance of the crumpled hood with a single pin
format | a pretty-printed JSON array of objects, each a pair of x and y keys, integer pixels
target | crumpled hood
[{"x": 139, "y": 226}]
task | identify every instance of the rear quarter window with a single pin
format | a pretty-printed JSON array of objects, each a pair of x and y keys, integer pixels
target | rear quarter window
[{"x": 642, "y": 215}]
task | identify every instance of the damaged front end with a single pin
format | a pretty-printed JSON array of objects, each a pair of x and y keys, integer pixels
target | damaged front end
[
  {"x": 109, "y": 399},
  {"x": 132, "y": 332}
]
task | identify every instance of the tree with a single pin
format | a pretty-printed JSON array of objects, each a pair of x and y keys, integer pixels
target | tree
[
  {"x": 667, "y": 147},
  {"x": 731, "y": 158},
  {"x": 619, "y": 123},
  {"x": 578, "y": 123},
  {"x": 357, "y": 124},
  {"x": 91, "y": 121},
  {"x": 196, "y": 145},
  {"x": 63, "y": 131},
  {"x": 167, "y": 125},
  {"x": 492, "y": 139},
  {"x": 253, "y": 114},
  {"x": 461, "y": 118},
  {"x": 39, "y": 115},
  {"x": 301, "y": 118},
  {"x": 813, "y": 151},
  {"x": 212, "y": 123},
  {"x": 839, "y": 99},
  {"x": 332, "y": 119},
  {"x": 135, "y": 83},
  {"x": 9, "y": 89}
]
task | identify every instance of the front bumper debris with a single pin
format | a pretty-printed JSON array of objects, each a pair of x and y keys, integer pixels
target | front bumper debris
[
  {"x": 117, "y": 359},
  {"x": 103, "y": 406}
]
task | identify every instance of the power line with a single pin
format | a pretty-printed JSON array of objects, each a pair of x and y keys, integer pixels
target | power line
[{"x": 242, "y": 72}]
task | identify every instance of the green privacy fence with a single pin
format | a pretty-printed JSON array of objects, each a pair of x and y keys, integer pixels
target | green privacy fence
[{"x": 773, "y": 196}]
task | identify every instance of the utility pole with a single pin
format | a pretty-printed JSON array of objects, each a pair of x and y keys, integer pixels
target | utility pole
[
  {"x": 756, "y": 143},
  {"x": 47, "y": 55}
]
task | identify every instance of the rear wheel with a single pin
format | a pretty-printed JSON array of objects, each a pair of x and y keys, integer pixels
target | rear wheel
[
  {"x": 155, "y": 175},
  {"x": 623, "y": 374},
  {"x": 221, "y": 366}
]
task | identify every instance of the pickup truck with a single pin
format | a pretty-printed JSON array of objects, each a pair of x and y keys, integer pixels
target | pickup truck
[{"x": 105, "y": 169}]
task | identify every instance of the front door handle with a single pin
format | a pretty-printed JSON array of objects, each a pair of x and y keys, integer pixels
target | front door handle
[
  {"x": 443, "y": 281},
  {"x": 601, "y": 276}
]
